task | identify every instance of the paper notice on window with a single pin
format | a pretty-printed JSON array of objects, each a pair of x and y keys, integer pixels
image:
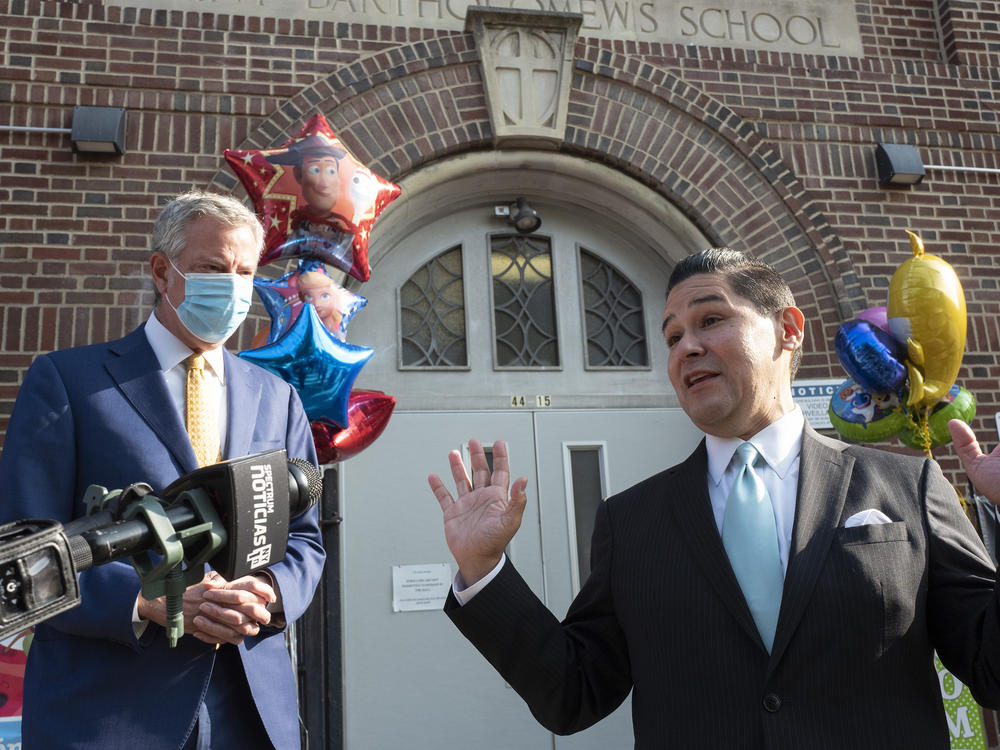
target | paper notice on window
[{"x": 419, "y": 587}]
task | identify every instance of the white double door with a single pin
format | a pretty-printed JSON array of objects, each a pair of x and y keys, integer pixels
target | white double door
[{"x": 410, "y": 679}]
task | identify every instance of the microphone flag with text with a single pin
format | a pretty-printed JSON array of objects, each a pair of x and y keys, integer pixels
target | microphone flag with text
[{"x": 232, "y": 515}]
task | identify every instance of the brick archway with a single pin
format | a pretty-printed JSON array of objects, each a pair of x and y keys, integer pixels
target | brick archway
[{"x": 404, "y": 108}]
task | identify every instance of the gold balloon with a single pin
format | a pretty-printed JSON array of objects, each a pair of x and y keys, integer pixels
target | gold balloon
[{"x": 927, "y": 313}]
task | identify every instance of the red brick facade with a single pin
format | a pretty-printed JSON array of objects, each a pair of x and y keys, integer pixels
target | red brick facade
[{"x": 769, "y": 151}]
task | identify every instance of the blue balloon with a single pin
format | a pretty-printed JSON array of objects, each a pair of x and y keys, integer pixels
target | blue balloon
[
  {"x": 282, "y": 302},
  {"x": 321, "y": 367},
  {"x": 871, "y": 356},
  {"x": 276, "y": 295},
  {"x": 280, "y": 298},
  {"x": 350, "y": 310}
]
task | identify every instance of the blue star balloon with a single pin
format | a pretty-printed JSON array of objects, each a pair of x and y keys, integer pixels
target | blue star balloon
[
  {"x": 280, "y": 298},
  {"x": 334, "y": 304},
  {"x": 321, "y": 367}
]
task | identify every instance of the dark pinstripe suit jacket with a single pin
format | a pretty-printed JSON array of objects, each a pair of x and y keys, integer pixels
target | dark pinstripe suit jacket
[{"x": 862, "y": 611}]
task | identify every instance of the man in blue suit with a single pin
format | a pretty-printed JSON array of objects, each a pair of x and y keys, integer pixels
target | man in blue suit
[{"x": 102, "y": 674}]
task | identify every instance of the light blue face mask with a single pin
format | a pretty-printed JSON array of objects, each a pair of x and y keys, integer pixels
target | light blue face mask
[{"x": 214, "y": 304}]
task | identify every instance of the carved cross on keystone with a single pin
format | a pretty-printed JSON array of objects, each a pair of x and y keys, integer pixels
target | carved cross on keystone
[{"x": 527, "y": 65}]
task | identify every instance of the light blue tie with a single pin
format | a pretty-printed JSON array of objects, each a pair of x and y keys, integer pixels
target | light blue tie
[{"x": 750, "y": 537}]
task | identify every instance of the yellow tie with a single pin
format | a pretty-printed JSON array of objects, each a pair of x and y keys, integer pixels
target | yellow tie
[{"x": 200, "y": 414}]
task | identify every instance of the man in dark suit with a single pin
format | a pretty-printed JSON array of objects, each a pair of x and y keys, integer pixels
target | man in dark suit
[
  {"x": 792, "y": 599},
  {"x": 102, "y": 675}
]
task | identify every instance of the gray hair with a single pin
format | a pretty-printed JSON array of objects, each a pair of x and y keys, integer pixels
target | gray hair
[{"x": 171, "y": 227}]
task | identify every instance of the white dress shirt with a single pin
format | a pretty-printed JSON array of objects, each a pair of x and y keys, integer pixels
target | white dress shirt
[
  {"x": 171, "y": 352},
  {"x": 779, "y": 444}
]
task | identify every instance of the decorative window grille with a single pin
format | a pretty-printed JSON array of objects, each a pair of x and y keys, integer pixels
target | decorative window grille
[
  {"x": 524, "y": 308},
  {"x": 432, "y": 314},
  {"x": 613, "y": 316}
]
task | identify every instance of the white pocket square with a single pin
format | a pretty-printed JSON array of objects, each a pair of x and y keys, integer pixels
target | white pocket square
[{"x": 866, "y": 518}]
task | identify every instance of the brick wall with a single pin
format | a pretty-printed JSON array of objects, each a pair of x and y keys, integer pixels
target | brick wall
[{"x": 74, "y": 228}]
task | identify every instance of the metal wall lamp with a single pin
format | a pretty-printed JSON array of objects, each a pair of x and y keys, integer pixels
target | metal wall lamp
[
  {"x": 520, "y": 215},
  {"x": 95, "y": 130},
  {"x": 900, "y": 164},
  {"x": 98, "y": 130}
]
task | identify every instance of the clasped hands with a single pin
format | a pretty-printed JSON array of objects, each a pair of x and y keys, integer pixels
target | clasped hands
[
  {"x": 219, "y": 611},
  {"x": 482, "y": 520}
]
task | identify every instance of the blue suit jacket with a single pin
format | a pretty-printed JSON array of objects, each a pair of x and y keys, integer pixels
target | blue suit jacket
[{"x": 101, "y": 414}]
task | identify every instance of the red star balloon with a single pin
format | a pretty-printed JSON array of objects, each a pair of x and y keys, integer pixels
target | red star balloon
[
  {"x": 314, "y": 198},
  {"x": 368, "y": 414}
]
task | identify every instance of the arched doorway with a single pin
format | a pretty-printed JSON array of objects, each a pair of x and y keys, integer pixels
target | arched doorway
[{"x": 549, "y": 341}]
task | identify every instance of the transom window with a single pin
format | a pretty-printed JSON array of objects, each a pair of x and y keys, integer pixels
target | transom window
[
  {"x": 432, "y": 314},
  {"x": 524, "y": 310},
  {"x": 522, "y": 288},
  {"x": 613, "y": 316}
]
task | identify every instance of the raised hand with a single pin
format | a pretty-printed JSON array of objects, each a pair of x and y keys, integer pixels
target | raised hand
[
  {"x": 983, "y": 470},
  {"x": 480, "y": 523}
]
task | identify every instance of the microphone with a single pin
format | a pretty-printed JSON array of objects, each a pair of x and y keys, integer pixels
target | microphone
[
  {"x": 242, "y": 491},
  {"x": 232, "y": 515},
  {"x": 304, "y": 484}
]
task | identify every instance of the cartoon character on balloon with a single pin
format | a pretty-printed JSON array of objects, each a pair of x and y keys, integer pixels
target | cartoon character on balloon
[
  {"x": 903, "y": 359},
  {"x": 317, "y": 203}
]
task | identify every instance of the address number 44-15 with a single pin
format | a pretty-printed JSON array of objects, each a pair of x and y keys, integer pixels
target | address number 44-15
[{"x": 541, "y": 402}]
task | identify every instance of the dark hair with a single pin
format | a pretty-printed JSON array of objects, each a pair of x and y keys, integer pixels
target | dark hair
[{"x": 750, "y": 278}]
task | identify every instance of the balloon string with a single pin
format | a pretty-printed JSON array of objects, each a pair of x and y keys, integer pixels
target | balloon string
[
  {"x": 923, "y": 432},
  {"x": 921, "y": 428}
]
